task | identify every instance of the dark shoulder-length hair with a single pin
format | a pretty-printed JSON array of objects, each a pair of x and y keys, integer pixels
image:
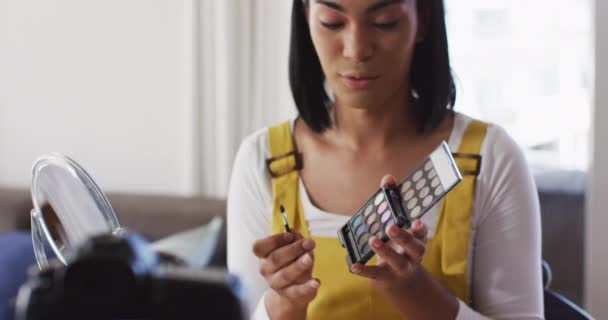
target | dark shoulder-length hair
[{"x": 431, "y": 76}]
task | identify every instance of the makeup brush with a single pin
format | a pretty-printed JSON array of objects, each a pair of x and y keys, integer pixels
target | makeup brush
[{"x": 284, "y": 216}]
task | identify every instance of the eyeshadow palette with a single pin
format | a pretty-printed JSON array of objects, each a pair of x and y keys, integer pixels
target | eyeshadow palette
[{"x": 409, "y": 200}]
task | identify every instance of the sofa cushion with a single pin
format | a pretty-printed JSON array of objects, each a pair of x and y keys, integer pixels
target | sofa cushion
[
  {"x": 156, "y": 216},
  {"x": 153, "y": 216}
]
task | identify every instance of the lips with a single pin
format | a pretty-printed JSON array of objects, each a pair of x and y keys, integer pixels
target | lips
[{"x": 358, "y": 82}]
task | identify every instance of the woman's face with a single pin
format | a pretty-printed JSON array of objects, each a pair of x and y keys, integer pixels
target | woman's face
[{"x": 365, "y": 47}]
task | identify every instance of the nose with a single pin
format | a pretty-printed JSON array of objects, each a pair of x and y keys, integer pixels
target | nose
[{"x": 358, "y": 45}]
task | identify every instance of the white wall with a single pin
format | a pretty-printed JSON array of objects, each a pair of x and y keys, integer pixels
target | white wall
[
  {"x": 106, "y": 82},
  {"x": 596, "y": 282}
]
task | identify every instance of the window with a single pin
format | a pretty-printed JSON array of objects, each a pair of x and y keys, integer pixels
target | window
[{"x": 527, "y": 66}]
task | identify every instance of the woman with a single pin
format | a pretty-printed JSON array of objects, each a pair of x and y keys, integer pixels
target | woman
[{"x": 385, "y": 62}]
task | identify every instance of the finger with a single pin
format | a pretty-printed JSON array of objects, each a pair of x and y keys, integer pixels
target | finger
[
  {"x": 396, "y": 261},
  {"x": 285, "y": 255},
  {"x": 263, "y": 247},
  {"x": 411, "y": 246},
  {"x": 419, "y": 230},
  {"x": 289, "y": 275},
  {"x": 304, "y": 292},
  {"x": 297, "y": 235},
  {"x": 377, "y": 272},
  {"x": 388, "y": 180}
]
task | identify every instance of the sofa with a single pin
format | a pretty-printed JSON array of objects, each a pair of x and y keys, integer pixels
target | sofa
[
  {"x": 153, "y": 216},
  {"x": 561, "y": 196}
]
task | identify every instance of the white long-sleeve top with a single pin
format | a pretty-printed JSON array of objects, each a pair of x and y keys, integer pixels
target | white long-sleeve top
[{"x": 504, "y": 256}]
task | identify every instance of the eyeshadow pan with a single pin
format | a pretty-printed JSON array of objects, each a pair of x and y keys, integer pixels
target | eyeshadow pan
[
  {"x": 370, "y": 219},
  {"x": 406, "y": 186},
  {"x": 368, "y": 210},
  {"x": 360, "y": 230},
  {"x": 374, "y": 228},
  {"x": 379, "y": 198},
  {"x": 428, "y": 166},
  {"x": 435, "y": 182},
  {"x": 382, "y": 207},
  {"x": 432, "y": 174},
  {"x": 363, "y": 239},
  {"x": 424, "y": 192},
  {"x": 414, "y": 213},
  {"x": 417, "y": 175},
  {"x": 412, "y": 203},
  {"x": 420, "y": 184},
  {"x": 427, "y": 201},
  {"x": 385, "y": 216},
  {"x": 408, "y": 195},
  {"x": 357, "y": 221},
  {"x": 438, "y": 190}
]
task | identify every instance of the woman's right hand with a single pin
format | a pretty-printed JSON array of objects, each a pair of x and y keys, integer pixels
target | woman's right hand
[{"x": 286, "y": 261}]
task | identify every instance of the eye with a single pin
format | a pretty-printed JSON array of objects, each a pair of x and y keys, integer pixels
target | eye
[
  {"x": 387, "y": 25},
  {"x": 332, "y": 25}
]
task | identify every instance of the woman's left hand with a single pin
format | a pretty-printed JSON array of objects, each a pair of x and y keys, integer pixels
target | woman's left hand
[{"x": 398, "y": 259}]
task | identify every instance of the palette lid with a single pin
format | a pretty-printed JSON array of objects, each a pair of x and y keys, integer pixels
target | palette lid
[{"x": 69, "y": 207}]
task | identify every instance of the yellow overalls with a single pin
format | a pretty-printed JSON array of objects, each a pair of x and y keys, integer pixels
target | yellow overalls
[{"x": 343, "y": 295}]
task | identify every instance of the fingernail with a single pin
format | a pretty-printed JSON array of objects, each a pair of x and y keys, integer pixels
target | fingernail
[
  {"x": 305, "y": 260},
  {"x": 393, "y": 230},
  {"x": 355, "y": 268},
  {"x": 288, "y": 236},
  {"x": 376, "y": 243},
  {"x": 417, "y": 224},
  {"x": 308, "y": 244},
  {"x": 314, "y": 284}
]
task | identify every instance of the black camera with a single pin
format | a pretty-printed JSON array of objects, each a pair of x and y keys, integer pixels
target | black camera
[{"x": 121, "y": 277}]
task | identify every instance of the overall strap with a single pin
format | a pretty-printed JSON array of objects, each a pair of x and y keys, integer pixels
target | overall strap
[
  {"x": 283, "y": 166},
  {"x": 455, "y": 221}
]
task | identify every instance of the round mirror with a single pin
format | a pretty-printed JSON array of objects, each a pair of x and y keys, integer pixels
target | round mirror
[{"x": 68, "y": 208}]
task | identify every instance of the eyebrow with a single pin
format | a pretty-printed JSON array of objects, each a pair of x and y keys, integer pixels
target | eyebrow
[{"x": 374, "y": 7}]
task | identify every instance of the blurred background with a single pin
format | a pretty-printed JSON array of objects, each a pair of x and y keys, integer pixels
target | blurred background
[{"x": 153, "y": 98}]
